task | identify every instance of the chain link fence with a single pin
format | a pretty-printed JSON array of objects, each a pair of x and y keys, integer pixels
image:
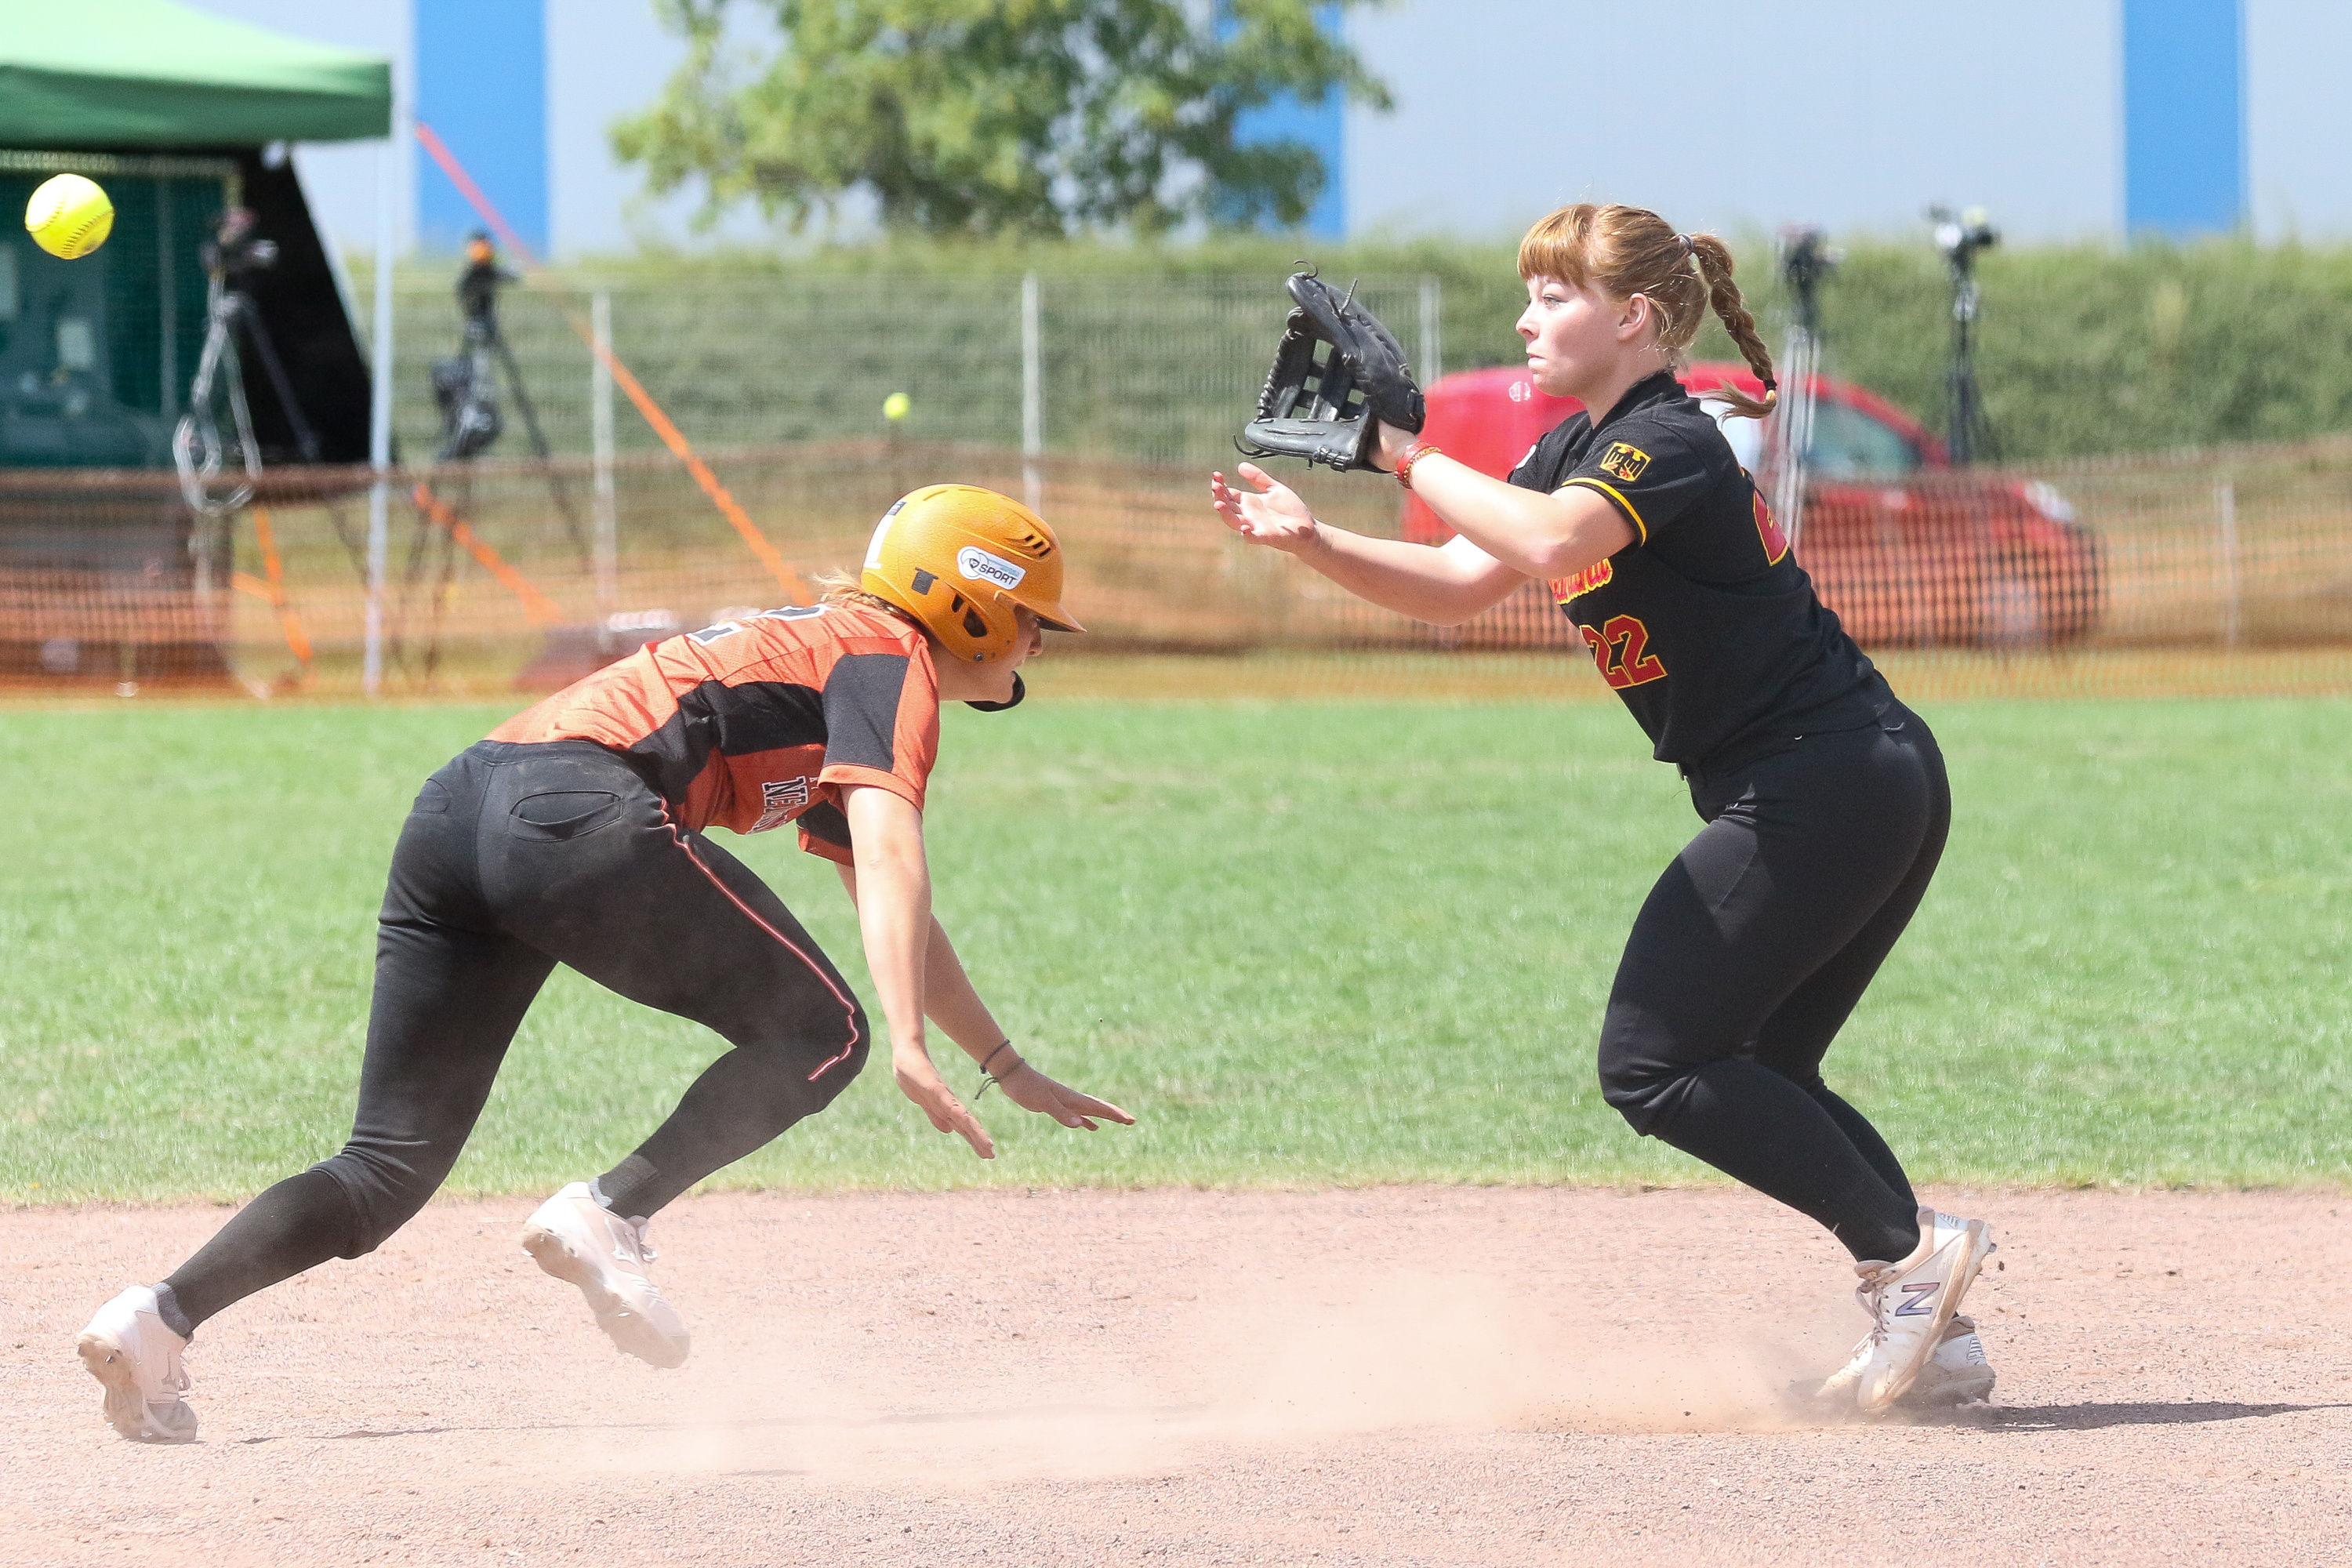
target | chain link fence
[
  {"x": 2229, "y": 573},
  {"x": 1153, "y": 369},
  {"x": 1106, "y": 398}
]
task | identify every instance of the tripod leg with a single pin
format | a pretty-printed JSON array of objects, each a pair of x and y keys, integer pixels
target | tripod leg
[
  {"x": 555, "y": 484},
  {"x": 352, "y": 545},
  {"x": 420, "y": 547},
  {"x": 447, "y": 547},
  {"x": 200, "y": 391},
  {"x": 306, "y": 440},
  {"x": 539, "y": 445},
  {"x": 195, "y": 439}
]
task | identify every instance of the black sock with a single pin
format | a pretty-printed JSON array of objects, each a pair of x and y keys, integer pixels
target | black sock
[
  {"x": 299, "y": 1224},
  {"x": 167, "y": 1307},
  {"x": 631, "y": 1189},
  {"x": 741, "y": 1102},
  {"x": 1753, "y": 1124}
]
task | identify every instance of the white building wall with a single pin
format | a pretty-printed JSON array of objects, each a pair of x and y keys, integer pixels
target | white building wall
[
  {"x": 2298, "y": 136},
  {"x": 1726, "y": 114},
  {"x": 605, "y": 58}
]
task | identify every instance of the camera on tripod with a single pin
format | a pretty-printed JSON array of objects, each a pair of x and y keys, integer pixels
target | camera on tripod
[
  {"x": 466, "y": 385},
  {"x": 235, "y": 254},
  {"x": 479, "y": 286},
  {"x": 1807, "y": 260},
  {"x": 236, "y": 247},
  {"x": 463, "y": 384},
  {"x": 1962, "y": 235}
]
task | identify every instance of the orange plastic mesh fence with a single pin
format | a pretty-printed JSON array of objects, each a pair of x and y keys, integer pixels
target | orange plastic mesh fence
[{"x": 2229, "y": 573}]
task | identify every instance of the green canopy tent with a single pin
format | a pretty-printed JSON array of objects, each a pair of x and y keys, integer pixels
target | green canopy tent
[
  {"x": 149, "y": 74},
  {"x": 180, "y": 116}
]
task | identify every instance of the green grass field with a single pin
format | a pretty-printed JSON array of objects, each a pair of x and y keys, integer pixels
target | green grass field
[{"x": 1306, "y": 943}]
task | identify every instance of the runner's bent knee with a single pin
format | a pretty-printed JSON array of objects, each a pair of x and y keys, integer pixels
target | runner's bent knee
[{"x": 385, "y": 1187}]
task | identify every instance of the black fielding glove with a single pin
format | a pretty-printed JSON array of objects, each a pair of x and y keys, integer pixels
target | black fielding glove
[{"x": 1324, "y": 409}]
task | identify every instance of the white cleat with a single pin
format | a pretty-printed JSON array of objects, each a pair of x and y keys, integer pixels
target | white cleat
[
  {"x": 1910, "y": 1304},
  {"x": 1957, "y": 1374},
  {"x": 128, "y": 1348},
  {"x": 576, "y": 1238}
]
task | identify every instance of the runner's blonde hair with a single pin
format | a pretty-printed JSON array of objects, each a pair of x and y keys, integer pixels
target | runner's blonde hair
[{"x": 841, "y": 588}]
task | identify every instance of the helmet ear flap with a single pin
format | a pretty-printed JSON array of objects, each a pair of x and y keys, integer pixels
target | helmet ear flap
[{"x": 967, "y": 614}]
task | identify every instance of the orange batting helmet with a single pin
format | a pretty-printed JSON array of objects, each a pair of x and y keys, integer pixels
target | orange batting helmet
[{"x": 959, "y": 559}]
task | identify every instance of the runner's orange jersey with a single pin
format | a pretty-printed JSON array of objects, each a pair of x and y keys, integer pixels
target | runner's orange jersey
[{"x": 750, "y": 725}]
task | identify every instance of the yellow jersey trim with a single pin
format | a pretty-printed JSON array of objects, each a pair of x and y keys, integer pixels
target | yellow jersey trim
[{"x": 1614, "y": 493}]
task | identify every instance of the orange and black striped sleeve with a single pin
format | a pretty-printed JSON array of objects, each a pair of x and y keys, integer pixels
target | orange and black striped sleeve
[{"x": 882, "y": 729}]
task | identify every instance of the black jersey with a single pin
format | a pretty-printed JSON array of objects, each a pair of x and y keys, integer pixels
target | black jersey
[{"x": 1705, "y": 625}]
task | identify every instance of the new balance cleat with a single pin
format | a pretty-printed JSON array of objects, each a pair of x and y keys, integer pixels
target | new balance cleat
[
  {"x": 127, "y": 1348},
  {"x": 1910, "y": 1304},
  {"x": 578, "y": 1239},
  {"x": 1957, "y": 1374}
]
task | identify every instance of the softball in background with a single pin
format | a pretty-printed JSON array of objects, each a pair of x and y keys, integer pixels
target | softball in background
[
  {"x": 895, "y": 406},
  {"x": 70, "y": 217}
]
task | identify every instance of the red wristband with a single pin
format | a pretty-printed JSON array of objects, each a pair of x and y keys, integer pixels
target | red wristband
[{"x": 1413, "y": 454}]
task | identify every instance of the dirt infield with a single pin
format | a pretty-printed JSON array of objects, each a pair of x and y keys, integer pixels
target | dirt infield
[{"x": 1401, "y": 1376}]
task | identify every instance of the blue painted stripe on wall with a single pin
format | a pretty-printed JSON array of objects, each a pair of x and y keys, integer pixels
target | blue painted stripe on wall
[
  {"x": 481, "y": 85},
  {"x": 2184, "y": 117},
  {"x": 1322, "y": 126}
]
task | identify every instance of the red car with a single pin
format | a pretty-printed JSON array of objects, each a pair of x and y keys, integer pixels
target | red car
[{"x": 1907, "y": 549}]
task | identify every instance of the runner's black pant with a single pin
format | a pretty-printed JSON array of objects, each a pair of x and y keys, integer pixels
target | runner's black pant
[
  {"x": 1753, "y": 948},
  {"x": 516, "y": 858}
]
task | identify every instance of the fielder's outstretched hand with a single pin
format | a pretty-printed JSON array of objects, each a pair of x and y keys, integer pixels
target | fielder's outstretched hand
[
  {"x": 919, "y": 1081},
  {"x": 1030, "y": 1089},
  {"x": 1272, "y": 514}
]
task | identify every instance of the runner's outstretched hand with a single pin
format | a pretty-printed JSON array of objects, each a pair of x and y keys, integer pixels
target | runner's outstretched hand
[
  {"x": 1030, "y": 1089},
  {"x": 919, "y": 1080}
]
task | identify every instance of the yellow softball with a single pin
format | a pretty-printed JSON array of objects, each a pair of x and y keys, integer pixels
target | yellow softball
[
  {"x": 895, "y": 406},
  {"x": 70, "y": 217}
]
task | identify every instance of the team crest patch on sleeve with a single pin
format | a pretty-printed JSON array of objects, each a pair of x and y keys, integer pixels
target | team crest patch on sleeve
[
  {"x": 1623, "y": 462},
  {"x": 779, "y": 798}
]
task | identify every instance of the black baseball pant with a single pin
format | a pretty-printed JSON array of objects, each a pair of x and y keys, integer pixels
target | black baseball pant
[
  {"x": 516, "y": 858},
  {"x": 1750, "y": 951}
]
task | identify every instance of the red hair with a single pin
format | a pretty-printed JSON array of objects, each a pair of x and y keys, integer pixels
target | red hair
[{"x": 1624, "y": 251}]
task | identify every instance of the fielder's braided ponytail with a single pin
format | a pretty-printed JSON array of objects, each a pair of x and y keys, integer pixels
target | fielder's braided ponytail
[{"x": 1714, "y": 258}]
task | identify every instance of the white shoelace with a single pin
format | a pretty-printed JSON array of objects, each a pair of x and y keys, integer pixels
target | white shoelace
[
  {"x": 175, "y": 1376},
  {"x": 639, "y": 1235},
  {"x": 1872, "y": 1294}
]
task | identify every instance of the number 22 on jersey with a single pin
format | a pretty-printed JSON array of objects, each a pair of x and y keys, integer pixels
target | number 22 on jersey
[{"x": 1620, "y": 648}]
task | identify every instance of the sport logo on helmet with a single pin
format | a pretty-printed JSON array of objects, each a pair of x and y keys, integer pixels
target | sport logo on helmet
[{"x": 980, "y": 566}]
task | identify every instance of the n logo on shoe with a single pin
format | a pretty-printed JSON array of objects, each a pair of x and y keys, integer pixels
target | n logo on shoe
[{"x": 1921, "y": 1295}]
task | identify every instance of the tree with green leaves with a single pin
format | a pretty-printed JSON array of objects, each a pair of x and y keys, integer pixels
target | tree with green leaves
[{"x": 1000, "y": 117}]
